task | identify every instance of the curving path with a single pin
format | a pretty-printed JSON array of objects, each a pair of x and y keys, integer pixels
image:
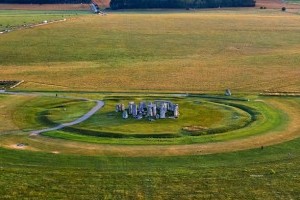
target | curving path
[{"x": 99, "y": 105}]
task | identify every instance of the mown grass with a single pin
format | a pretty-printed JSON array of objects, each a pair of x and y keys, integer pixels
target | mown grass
[
  {"x": 247, "y": 50},
  {"x": 37, "y": 112},
  {"x": 271, "y": 173},
  {"x": 7, "y": 108},
  {"x": 192, "y": 52},
  {"x": 204, "y": 114},
  {"x": 267, "y": 119}
]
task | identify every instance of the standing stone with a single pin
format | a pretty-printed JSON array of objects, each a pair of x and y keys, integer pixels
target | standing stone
[
  {"x": 176, "y": 110},
  {"x": 134, "y": 110},
  {"x": 141, "y": 106},
  {"x": 140, "y": 115},
  {"x": 166, "y": 105},
  {"x": 227, "y": 92},
  {"x": 170, "y": 106},
  {"x": 117, "y": 107},
  {"x": 154, "y": 109},
  {"x": 130, "y": 105},
  {"x": 125, "y": 114},
  {"x": 149, "y": 110},
  {"x": 122, "y": 107},
  {"x": 162, "y": 111}
]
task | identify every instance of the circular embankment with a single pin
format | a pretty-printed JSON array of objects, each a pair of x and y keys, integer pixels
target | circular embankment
[
  {"x": 199, "y": 119},
  {"x": 270, "y": 120}
]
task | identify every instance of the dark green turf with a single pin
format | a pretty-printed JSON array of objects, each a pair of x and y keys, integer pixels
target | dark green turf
[{"x": 271, "y": 173}]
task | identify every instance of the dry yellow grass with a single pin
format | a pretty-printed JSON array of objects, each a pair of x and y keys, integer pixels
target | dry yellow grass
[
  {"x": 182, "y": 76},
  {"x": 245, "y": 50},
  {"x": 7, "y": 109}
]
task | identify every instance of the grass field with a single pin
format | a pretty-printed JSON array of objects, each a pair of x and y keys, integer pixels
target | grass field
[
  {"x": 271, "y": 173},
  {"x": 203, "y": 114},
  {"x": 250, "y": 50},
  {"x": 274, "y": 121},
  {"x": 151, "y": 54}
]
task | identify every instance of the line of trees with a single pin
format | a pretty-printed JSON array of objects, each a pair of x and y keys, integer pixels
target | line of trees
[
  {"x": 45, "y": 1},
  {"x": 128, "y": 4}
]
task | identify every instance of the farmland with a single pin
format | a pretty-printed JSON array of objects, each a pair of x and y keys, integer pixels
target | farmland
[
  {"x": 203, "y": 51},
  {"x": 241, "y": 147}
]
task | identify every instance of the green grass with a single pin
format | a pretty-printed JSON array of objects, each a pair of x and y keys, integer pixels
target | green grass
[
  {"x": 268, "y": 118},
  {"x": 10, "y": 19},
  {"x": 271, "y": 173},
  {"x": 192, "y": 113},
  {"x": 37, "y": 112},
  {"x": 247, "y": 51},
  {"x": 210, "y": 51}
]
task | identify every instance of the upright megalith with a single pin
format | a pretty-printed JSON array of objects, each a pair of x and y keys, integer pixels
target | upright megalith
[
  {"x": 130, "y": 106},
  {"x": 122, "y": 107},
  {"x": 142, "y": 106},
  {"x": 134, "y": 110},
  {"x": 125, "y": 114},
  {"x": 227, "y": 92},
  {"x": 154, "y": 111},
  {"x": 162, "y": 111},
  {"x": 149, "y": 110},
  {"x": 118, "y": 109},
  {"x": 176, "y": 110}
]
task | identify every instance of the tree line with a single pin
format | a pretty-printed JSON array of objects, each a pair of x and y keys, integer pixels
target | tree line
[
  {"x": 128, "y": 4},
  {"x": 45, "y": 1}
]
